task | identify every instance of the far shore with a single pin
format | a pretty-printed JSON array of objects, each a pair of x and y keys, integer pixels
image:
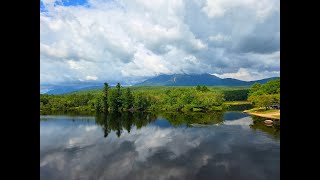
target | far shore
[{"x": 273, "y": 114}]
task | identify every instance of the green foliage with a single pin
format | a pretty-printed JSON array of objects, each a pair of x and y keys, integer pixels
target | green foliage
[
  {"x": 161, "y": 88},
  {"x": 128, "y": 99},
  {"x": 141, "y": 101},
  {"x": 255, "y": 87},
  {"x": 100, "y": 103},
  {"x": 204, "y": 88},
  {"x": 105, "y": 106},
  {"x": 115, "y": 99},
  {"x": 205, "y": 100},
  {"x": 264, "y": 100},
  {"x": 236, "y": 94},
  {"x": 154, "y": 99},
  {"x": 272, "y": 87},
  {"x": 62, "y": 103},
  {"x": 265, "y": 95}
]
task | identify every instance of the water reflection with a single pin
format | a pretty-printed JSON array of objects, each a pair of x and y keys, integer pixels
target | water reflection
[
  {"x": 177, "y": 119},
  {"x": 239, "y": 107},
  {"x": 118, "y": 121},
  {"x": 157, "y": 146},
  {"x": 273, "y": 130}
]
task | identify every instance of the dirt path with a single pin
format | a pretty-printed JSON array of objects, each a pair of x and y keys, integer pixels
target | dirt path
[{"x": 273, "y": 115}]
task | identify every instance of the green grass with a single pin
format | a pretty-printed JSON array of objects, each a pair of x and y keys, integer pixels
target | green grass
[
  {"x": 267, "y": 111},
  {"x": 262, "y": 110},
  {"x": 236, "y": 102}
]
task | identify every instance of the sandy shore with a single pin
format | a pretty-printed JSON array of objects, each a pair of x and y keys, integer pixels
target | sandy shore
[{"x": 273, "y": 115}]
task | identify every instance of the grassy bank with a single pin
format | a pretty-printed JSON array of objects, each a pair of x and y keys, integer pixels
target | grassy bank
[
  {"x": 237, "y": 105},
  {"x": 237, "y": 102}
]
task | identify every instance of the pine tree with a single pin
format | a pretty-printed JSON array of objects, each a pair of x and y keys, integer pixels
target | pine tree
[
  {"x": 115, "y": 98},
  {"x": 105, "y": 97},
  {"x": 204, "y": 88},
  {"x": 129, "y": 99},
  {"x": 119, "y": 102},
  {"x": 198, "y": 88}
]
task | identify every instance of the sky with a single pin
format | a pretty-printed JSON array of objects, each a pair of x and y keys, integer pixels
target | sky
[{"x": 129, "y": 41}]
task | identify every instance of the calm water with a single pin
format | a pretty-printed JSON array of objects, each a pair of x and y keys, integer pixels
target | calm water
[{"x": 229, "y": 145}]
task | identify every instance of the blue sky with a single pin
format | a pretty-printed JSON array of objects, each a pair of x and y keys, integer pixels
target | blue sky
[
  {"x": 131, "y": 40},
  {"x": 67, "y": 3}
]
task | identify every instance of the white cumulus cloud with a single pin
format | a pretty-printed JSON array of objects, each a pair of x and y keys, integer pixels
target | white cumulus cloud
[{"x": 130, "y": 40}]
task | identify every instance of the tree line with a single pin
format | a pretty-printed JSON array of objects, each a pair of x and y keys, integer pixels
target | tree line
[
  {"x": 199, "y": 98},
  {"x": 176, "y": 99}
]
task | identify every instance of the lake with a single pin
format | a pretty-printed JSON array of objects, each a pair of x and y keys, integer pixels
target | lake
[{"x": 230, "y": 145}]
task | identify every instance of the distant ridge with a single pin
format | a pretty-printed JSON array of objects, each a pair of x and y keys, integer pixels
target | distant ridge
[
  {"x": 197, "y": 79},
  {"x": 161, "y": 80},
  {"x": 66, "y": 89}
]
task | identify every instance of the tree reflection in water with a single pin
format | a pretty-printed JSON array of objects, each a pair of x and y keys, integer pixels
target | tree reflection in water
[
  {"x": 116, "y": 121},
  {"x": 258, "y": 124},
  {"x": 119, "y": 121},
  {"x": 177, "y": 119}
]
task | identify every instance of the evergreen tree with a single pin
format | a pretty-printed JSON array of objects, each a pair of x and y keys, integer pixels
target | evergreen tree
[
  {"x": 115, "y": 98},
  {"x": 105, "y": 97},
  {"x": 119, "y": 101},
  {"x": 129, "y": 99},
  {"x": 204, "y": 88},
  {"x": 97, "y": 105}
]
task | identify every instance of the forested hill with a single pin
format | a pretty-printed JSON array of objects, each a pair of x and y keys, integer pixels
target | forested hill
[{"x": 197, "y": 79}]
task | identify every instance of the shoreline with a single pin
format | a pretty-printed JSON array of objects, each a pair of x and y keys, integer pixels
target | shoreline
[{"x": 271, "y": 115}]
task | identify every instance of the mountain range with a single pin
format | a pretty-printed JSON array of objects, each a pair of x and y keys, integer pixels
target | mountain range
[
  {"x": 70, "y": 87},
  {"x": 197, "y": 79},
  {"x": 161, "y": 80}
]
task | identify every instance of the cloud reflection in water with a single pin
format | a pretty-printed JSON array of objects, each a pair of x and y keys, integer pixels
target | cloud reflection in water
[{"x": 79, "y": 150}]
